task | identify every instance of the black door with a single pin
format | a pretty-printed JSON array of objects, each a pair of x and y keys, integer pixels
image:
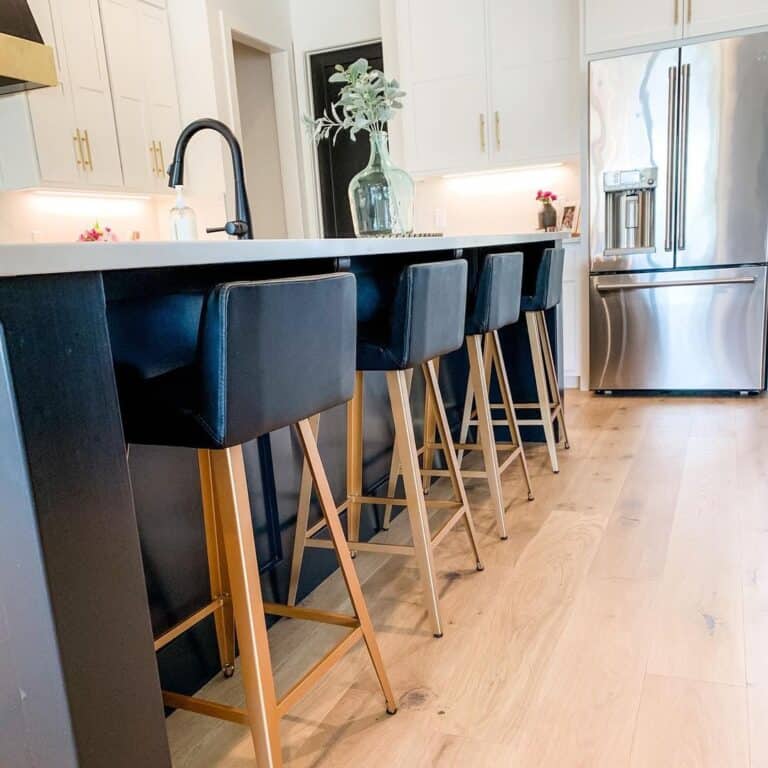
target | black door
[{"x": 338, "y": 163}]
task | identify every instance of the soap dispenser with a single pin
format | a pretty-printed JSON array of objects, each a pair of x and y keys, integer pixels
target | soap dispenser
[{"x": 183, "y": 219}]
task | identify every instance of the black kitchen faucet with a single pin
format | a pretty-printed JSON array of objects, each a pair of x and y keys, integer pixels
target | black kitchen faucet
[{"x": 241, "y": 227}]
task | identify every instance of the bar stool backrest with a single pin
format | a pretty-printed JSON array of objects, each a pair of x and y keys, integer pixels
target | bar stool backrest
[
  {"x": 548, "y": 290},
  {"x": 428, "y": 312},
  {"x": 496, "y": 302},
  {"x": 274, "y": 352}
]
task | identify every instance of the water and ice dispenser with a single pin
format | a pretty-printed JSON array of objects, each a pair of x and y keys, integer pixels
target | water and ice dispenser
[{"x": 630, "y": 211}]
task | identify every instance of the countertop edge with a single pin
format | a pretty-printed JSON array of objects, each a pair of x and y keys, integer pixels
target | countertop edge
[{"x": 28, "y": 259}]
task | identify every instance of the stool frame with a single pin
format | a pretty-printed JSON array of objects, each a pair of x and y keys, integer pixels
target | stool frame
[
  {"x": 415, "y": 502},
  {"x": 234, "y": 569},
  {"x": 550, "y": 403}
]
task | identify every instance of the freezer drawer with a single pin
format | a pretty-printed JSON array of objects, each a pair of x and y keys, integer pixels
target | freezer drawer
[{"x": 689, "y": 330}]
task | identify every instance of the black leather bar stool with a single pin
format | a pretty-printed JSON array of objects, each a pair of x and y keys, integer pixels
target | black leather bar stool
[
  {"x": 493, "y": 303},
  {"x": 421, "y": 318},
  {"x": 241, "y": 371},
  {"x": 547, "y": 293}
]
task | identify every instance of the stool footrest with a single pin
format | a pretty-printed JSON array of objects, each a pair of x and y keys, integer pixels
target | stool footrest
[
  {"x": 381, "y": 548},
  {"x": 179, "y": 629},
  {"x": 301, "y": 688},
  {"x": 295, "y": 694},
  {"x": 205, "y": 707},
  {"x": 311, "y": 614},
  {"x": 448, "y": 525}
]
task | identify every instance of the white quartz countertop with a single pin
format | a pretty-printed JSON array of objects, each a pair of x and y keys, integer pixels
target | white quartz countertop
[{"x": 60, "y": 258}]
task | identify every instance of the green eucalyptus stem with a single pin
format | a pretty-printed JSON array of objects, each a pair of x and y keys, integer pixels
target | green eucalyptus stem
[{"x": 367, "y": 101}]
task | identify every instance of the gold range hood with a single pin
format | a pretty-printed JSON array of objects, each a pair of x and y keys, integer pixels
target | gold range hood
[{"x": 25, "y": 61}]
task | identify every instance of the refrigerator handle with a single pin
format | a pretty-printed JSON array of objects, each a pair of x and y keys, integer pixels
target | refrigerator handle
[
  {"x": 682, "y": 159},
  {"x": 672, "y": 106}
]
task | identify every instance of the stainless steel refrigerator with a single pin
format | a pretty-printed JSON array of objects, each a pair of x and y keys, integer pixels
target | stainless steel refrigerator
[{"x": 679, "y": 218}]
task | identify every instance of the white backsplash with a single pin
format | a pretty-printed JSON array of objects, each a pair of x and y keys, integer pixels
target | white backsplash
[
  {"x": 491, "y": 203},
  {"x": 59, "y": 217}
]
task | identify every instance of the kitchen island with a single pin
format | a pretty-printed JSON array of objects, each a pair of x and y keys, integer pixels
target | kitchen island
[{"x": 79, "y": 682}]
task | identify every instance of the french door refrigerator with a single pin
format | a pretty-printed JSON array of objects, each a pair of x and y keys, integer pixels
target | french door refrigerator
[{"x": 679, "y": 218}]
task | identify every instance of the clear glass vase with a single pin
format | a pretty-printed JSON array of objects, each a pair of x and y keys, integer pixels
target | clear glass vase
[{"x": 381, "y": 195}]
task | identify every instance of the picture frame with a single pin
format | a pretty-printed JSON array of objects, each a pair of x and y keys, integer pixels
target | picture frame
[{"x": 570, "y": 218}]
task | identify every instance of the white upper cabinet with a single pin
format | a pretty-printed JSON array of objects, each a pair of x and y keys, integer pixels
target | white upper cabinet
[
  {"x": 534, "y": 80},
  {"x": 162, "y": 94},
  {"x": 112, "y": 121},
  {"x": 64, "y": 136},
  {"x": 143, "y": 89},
  {"x": 704, "y": 17},
  {"x": 481, "y": 92},
  {"x": 86, "y": 68},
  {"x": 444, "y": 44},
  {"x": 611, "y": 25}
]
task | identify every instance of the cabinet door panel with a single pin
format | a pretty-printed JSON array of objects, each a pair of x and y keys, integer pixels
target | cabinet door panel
[
  {"x": 160, "y": 79},
  {"x": 86, "y": 63},
  {"x": 450, "y": 125},
  {"x": 535, "y": 82},
  {"x": 53, "y": 120},
  {"x": 447, "y": 38},
  {"x": 120, "y": 21},
  {"x": 447, "y": 85},
  {"x": 611, "y": 25},
  {"x": 713, "y": 16}
]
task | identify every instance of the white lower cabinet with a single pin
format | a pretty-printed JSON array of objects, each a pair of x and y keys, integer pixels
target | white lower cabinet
[{"x": 575, "y": 313}]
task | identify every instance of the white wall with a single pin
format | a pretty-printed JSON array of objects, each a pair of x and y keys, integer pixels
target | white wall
[
  {"x": 261, "y": 151},
  {"x": 318, "y": 27}
]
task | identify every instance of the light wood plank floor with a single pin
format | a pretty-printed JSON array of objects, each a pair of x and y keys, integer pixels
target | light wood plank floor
[{"x": 624, "y": 622}]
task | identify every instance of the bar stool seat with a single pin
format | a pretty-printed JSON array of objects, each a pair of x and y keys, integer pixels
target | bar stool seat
[
  {"x": 254, "y": 342},
  {"x": 546, "y": 294},
  {"x": 418, "y": 315}
]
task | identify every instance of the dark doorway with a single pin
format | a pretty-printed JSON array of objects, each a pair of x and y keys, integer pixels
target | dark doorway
[{"x": 338, "y": 163}]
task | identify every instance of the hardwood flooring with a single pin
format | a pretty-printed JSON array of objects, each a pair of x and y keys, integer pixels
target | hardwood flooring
[{"x": 624, "y": 622}]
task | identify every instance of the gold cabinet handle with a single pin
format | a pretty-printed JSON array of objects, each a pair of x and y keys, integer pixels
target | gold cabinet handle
[
  {"x": 89, "y": 157},
  {"x": 153, "y": 155},
  {"x": 161, "y": 166},
  {"x": 677, "y": 12},
  {"x": 690, "y": 11},
  {"x": 482, "y": 132},
  {"x": 497, "y": 121},
  {"x": 78, "y": 139}
]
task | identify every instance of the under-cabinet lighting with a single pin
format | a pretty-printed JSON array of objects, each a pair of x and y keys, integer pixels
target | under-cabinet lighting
[
  {"x": 83, "y": 204},
  {"x": 499, "y": 171},
  {"x": 508, "y": 181}
]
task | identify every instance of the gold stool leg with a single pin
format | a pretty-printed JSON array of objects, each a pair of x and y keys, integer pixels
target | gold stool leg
[
  {"x": 394, "y": 467},
  {"x": 217, "y": 568},
  {"x": 485, "y": 433},
  {"x": 355, "y": 459},
  {"x": 466, "y": 417},
  {"x": 554, "y": 385},
  {"x": 232, "y": 504},
  {"x": 414, "y": 493},
  {"x": 509, "y": 407},
  {"x": 541, "y": 387},
  {"x": 449, "y": 451},
  {"x": 430, "y": 424},
  {"x": 359, "y": 606},
  {"x": 302, "y": 520}
]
